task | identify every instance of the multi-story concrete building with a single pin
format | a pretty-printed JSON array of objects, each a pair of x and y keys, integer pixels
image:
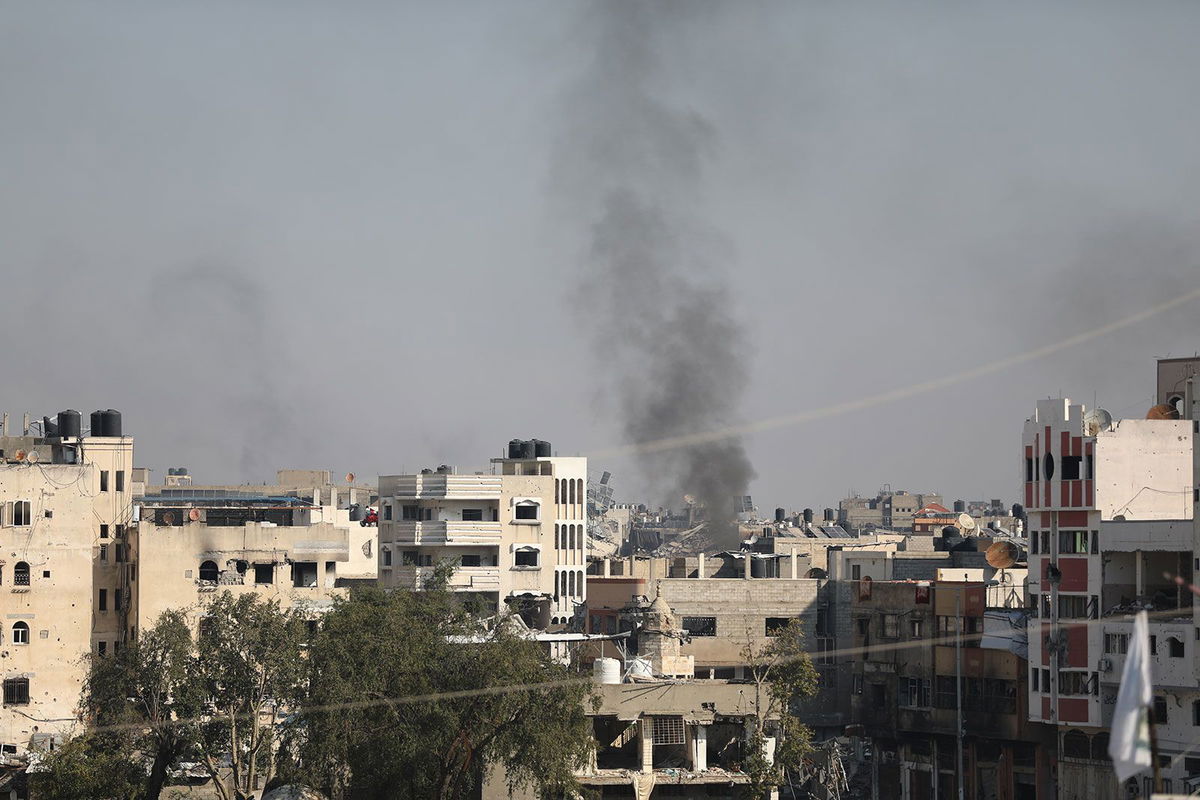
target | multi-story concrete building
[
  {"x": 1111, "y": 509},
  {"x": 516, "y": 535},
  {"x": 889, "y": 509},
  {"x": 68, "y": 571}
]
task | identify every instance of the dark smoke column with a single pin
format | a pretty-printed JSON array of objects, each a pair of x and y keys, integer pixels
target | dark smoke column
[{"x": 630, "y": 166}]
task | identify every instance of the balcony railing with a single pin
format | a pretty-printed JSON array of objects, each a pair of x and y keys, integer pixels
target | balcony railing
[{"x": 445, "y": 533}]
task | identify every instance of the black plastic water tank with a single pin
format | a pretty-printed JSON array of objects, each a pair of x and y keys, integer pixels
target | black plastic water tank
[
  {"x": 808, "y": 515},
  {"x": 97, "y": 423},
  {"x": 528, "y": 449},
  {"x": 780, "y": 514},
  {"x": 112, "y": 422},
  {"x": 171, "y": 471},
  {"x": 542, "y": 448},
  {"x": 181, "y": 470},
  {"x": 70, "y": 423},
  {"x": 959, "y": 506},
  {"x": 514, "y": 448},
  {"x": 829, "y": 515},
  {"x": 49, "y": 428},
  {"x": 1018, "y": 511}
]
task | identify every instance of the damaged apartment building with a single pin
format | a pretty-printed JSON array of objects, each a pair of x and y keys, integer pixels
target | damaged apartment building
[{"x": 515, "y": 535}]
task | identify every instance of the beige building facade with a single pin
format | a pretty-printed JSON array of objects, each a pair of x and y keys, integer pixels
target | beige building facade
[{"x": 515, "y": 537}]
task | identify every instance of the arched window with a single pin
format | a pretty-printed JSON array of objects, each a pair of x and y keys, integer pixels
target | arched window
[
  {"x": 556, "y": 492},
  {"x": 556, "y": 532},
  {"x": 1100, "y": 747},
  {"x": 571, "y": 583},
  {"x": 21, "y": 574},
  {"x": 562, "y": 580},
  {"x": 209, "y": 571},
  {"x": 1076, "y": 745},
  {"x": 20, "y": 633},
  {"x": 570, "y": 537}
]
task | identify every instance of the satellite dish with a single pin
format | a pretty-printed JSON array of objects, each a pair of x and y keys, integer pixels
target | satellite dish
[
  {"x": 1002, "y": 555},
  {"x": 691, "y": 501},
  {"x": 1096, "y": 420},
  {"x": 194, "y": 514},
  {"x": 168, "y": 518},
  {"x": 32, "y": 457},
  {"x": 966, "y": 522},
  {"x": 349, "y": 477},
  {"x": 19, "y": 455}
]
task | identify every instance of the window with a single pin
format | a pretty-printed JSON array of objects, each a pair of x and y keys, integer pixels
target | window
[
  {"x": 526, "y": 510},
  {"x": 1071, "y": 467},
  {"x": 101, "y": 648},
  {"x": 387, "y": 557},
  {"x": 120, "y": 474},
  {"x": 1033, "y": 543},
  {"x": 1072, "y": 542},
  {"x": 891, "y": 626},
  {"x": 304, "y": 574},
  {"x": 700, "y": 626},
  {"x": 102, "y": 600},
  {"x": 410, "y": 513},
  {"x": 1153, "y": 645},
  {"x": 864, "y": 625},
  {"x": 1033, "y": 679},
  {"x": 1072, "y": 606},
  {"x": 856, "y": 572},
  {"x": 1116, "y": 643},
  {"x": 104, "y": 480},
  {"x": 21, "y": 513},
  {"x": 525, "y": 557},
  {"x": 1160, "y": 711},
  {"x": 469, "y": 561},
  {"x": 1045, "y": 541},
  {"x": 915, "y": 693},
  {"x": 915, "y": 628},
  {"x": 1073, "y": 683},
  {"x": 668, "y": 730},
  {"x": 387, "y": 511},
  {"x": 20, "y": 633},
  {"x": 775, "y": 625},
  {"x": 856, "y": 684},
  {"x": 1174, "y": 647},
  {"x": 21, "y": 574},
  {"x": 1028, "y": 470},
  {"x": 1195, "y": 715},
  {"x": 472, "y": 515},
  {"x": 208, "y": 571},
  {"x": 117, "y": 600},
  {"x": 103, "y": 531},
  {"x": 16, "y": 691},
  {"x": 104, "y": 552}
]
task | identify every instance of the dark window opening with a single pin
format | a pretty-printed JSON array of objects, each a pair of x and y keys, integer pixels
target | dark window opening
[
  {"x": 104, "y": 480},
  {"x": 1071, "y": 467},
  {"x": 304, "y": 574},
  {"x": 410, "y": 513},
  {"x": 1174, "y": 647},
  {"x": 472, "y": 515},
  {"x": 387, "y": 557},
  {"x": 527, "y": 511},
  {"x": 20, "y": 633},
  {"x": 1028, "y": 470},
  {"x": 102, "y": 600},
  {"x": 387, "y": 511},
  {"x": 21, "y": 574},
  {"x": 1048, "y": 466},
  {"x": 120, "y": 480},
  {"x": 776, "y": 625},
  {"x": 208, "y": 571},
  {"x": 21, "y": 513},
  {"x": 103, "y": 531},
  {"x": 526, "y": 557},
  {"x": 700, "y": 626},
  {"x": 1160, "y": 711},
  {"x": 471, "y": 561}
]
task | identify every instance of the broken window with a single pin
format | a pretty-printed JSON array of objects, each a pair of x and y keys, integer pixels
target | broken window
[
  {"x": 1174, "y": 647},
  {"x": 208, "y": 571},
  {"x": 915, "y": 693},
  {"x": 387, "y": 511},
  {"x": 472, "y": 515},
  {"x": 891, "y": 626},
  {"x": 616, "y": 743},
  {"x": 774, "y": 626},
  {"x": 21, "y": 514},
  {"x": 103, "y": 531},
  {"x": 16, "y": 691},
  {"x": 526, "y": 510},
  {"x": 700, "y": 626},
  {"x": 1160, "y": 711},
  {"x": 526, "y": 557},
  {"x": 667, "y": 730},
  {"x": 304, "y": 574}
]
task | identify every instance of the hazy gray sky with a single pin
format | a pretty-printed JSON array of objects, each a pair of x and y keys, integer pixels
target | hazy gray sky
[{"x": 327, "y": 235}]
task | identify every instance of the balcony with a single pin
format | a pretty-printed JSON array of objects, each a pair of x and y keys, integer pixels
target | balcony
[
  {"x": 441, "y": 486},
  {"x": 443, "y": 532},
  {"x": 464, "y": 579}
]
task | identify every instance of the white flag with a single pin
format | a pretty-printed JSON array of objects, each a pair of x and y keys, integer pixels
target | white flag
[{"x": 1129, "y": 743}]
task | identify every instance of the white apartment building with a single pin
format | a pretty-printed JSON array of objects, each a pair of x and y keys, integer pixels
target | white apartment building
[
  {"x": 67, "y": 567},
  {"x": 515, "y": 535},
  {"x": 1112, "y": 522}
]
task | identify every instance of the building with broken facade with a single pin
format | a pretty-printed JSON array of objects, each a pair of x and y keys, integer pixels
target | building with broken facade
[{"x": 515, "y": 535}]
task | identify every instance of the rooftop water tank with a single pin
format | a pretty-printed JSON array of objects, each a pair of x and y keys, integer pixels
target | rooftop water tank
[
  {"x": 70, "y": 423},
  {"x": 112, "y": 422},
  {"x": 514, "y": 448},
  {"x": 541, "y": 448},
  {"x": 528, "y": 449},
  {"x": 639, "y": 667},
  {"x": 97, "y": 423},
  {"x": 808, "y": 515},
  {"x": 606, "y": 670},
  {"x": 829, "y": 515},
  {"x": 780, "y": 514}
]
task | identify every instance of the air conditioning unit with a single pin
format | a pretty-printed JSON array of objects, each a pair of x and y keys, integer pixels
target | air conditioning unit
[{"x": 1106, "y": 665}]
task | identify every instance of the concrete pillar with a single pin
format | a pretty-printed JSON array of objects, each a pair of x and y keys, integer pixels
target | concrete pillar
[
  {"x": 1139, "y": 579},
  {"x": 607, "y": 568},
  {"x": 647, "y": 744},
  {"x": 699, "y": 748},
  {"x": 700, "y": 565},
  {"x": 746, "y": 574},
  {"x": 795, "y": 565}
]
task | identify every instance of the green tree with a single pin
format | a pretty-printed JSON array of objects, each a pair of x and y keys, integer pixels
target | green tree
[
  {"x": 355, "y": 743},
  {"x": 249, "y": 666},
  {"x": 783, "y": 676},
  {"x": 92, "y": 766}
]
